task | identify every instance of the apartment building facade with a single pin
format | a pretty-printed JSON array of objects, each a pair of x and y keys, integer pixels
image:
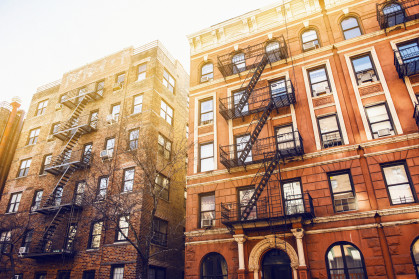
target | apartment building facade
[
  {"x": 304, "y": 122},
  {"x": 75, "y": 144}
]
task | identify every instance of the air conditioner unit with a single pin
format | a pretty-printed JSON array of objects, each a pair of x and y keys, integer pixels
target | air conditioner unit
[
  {"x": 383, "y": 132},
  {"x": 106, "y": 154},
  {"x": 206, "y": 223},
  {"x": 310, "y": 46},
  {"x": 58, "y": 106},
  {"x": 118, "y": 86},
  {"x": 365, "y": 77},
  {"x": 23, "y": 250},
  {"x": 111, "y": 118},
  {"x": 205, "y": 79},
  {"x": 50, "y": 137}
]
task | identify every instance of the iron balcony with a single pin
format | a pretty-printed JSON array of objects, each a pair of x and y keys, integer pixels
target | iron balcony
[
  {"x": 73, "y": 98},
  {"x": 79, "y": 159},
  {"x": 401, "y": 12},
  {"x": 288, "y": 145},
  {"x": 83, "y": 124},
  {"x": 407, "y": 61},
  {"x": 257, "y": 101}
]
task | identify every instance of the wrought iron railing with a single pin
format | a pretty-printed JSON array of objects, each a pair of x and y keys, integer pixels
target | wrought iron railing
[
  {"x": 73, "y": 97},
  {"x": 287, "y": 145},
  {"x": 270, "y": 207},
  {"x": 416, "y": 114},
  {"x": 258, "y": 100},
  {"x": 407, "y": 61},
  {"x": 252, "y": 56},
  {"x": 80, "y": 158},
  {"x": 83, "y": 123},
  {"x": 401, "y": 12}
]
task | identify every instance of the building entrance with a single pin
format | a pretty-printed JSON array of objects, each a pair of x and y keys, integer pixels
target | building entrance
[{"x": 276, "y": 265}]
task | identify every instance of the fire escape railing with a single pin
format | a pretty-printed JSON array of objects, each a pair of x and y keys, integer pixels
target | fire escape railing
[
  {"x": 77, "y": 158},
  {"x": 407, "y": 61},
  {"x": 416, "y": 114},
  {"x": 252, "y": 55},
  {"x": 74, "y": 97},
  {"x": 401, "y": 12},
  {"x": 83, "y": 124},
  {"x": 258, "y": 100}
]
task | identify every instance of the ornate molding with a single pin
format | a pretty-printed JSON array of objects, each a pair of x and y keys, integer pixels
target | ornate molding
[
  {"x": 370, "y": 89},
  {"x": 240, "y": 238},
  {"x": 271, "y": 242},
  {"x": 298, "y": 233},
  {"x": 324, "y": 100}
]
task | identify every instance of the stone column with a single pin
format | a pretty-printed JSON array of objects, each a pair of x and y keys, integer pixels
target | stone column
[
  {"x": 240, "y": 239},
  {"x": 302, "y": 269}
]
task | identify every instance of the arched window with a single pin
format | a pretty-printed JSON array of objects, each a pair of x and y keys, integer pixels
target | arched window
[
  {"x": 350, "y": 28},
  {"x": 239, "y": 63},
  {"x": 272, "y": 49},
  {"x": 345, "y": 261},
  {"x": 207, "y": 72},
  {"x": 393, "y": 14},
  {"x": 310, "y": 40},
  {"x": 415, "y": 255},
  {"x": 214, "y": 266}
]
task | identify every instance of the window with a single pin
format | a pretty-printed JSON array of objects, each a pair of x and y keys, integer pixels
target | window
[
  {"x": 88, "y": 274},
  {"x": 94, "y": 117},
  {"x": 379, "y": 120},
  {"x": 399, "y": 186},
  {"x": 272, "y": 49},
  {"x": 138, "y": 104},
  {"x": 122, "y": 230},
  {"x": 206, "y": 157},
  {"x": 166, "y": 112},
  {"x": 46, "y": 163},
  {"x": 41, "y": 275},
  {"x": 18, "y": 276},
  {"x": 100, "y": 87},
  {"x": 207, "y": 72},
  {"x": 394, "y": 14},
  {"x": 415, "y": 255},
  {"x": 87, "y": 153},
  {"x": 42, "y": 107},
  {"x": 239, "y": 63},
  {"x": 58, "y": 194},
  {"x": 241, "y": 142},
  {"x": 128, "y": 180},
  {"x": 103, "y": 187},
  {"x": 206, "y": 111},
  {"x": 237, "y": 96},
  {"x": 37, "y": 198},
  {"x": 207, "y": 210},
  {"x": 293, "y": 197},
  {"x": 133, "y": 139},
  {"x": 364, "y": 69},
  {"x": 115, "y": 111},
  {"x": 409, "y": 52},
  {"x": 168, "y": 81},
  {"x": 214, "y": 266},
  {"x": 162, "y": 186},
  {"x": 24, "y": 167},
  {"x": 350, "y": 28},
  {"x": 343, "y": 195},
  {"x": 310, "y": 40},
  {"x": 155, "y": 272},
  {"x": 5, "y": 241},
  {"x": 95, "y": 235},
  {"x": 110, "y": 145},
  {"x": 345, "y": 261},
  {"x": 141, "y": 71},
  {"x": 33, "y": 136},
  {"x": 71, "y": 235},
  {"x": 14, "y": 202},
  {"x": 117, "y": 272},
  {"x": 285, "y": 137},
  {"x": 244, "y": 198},
  {"x": 319, "y": 81},
  {"x": 27, "y": 239},
  {"x": 279, "y": 90},
  {"x": 64, "y": 274},
  {"x": 55, "y": 128},
  {"x": 160, "y": 232},
  {"x": 165, "y": 147},
  {"x": 329, "y": 131},
  {"x": 120, "y": 78},
  {"x": 79, "y": 192}
]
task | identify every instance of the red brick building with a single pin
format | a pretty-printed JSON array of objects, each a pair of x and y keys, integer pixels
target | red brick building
[
  {"x": 304, "y": 120},
  {"x": 74, "y": 154}
]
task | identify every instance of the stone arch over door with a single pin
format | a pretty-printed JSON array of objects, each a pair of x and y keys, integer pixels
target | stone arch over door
[{"x": 268, "y": 243}]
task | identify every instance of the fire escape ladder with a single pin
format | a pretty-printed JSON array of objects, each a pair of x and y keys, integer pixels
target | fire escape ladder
[
  {"x": 65, "y": 177},
  {"x": 72, "y": 121},
  {"x": 261, "y": 185},
  {"x": 50, "y": 230},
  {"x": 254, "y": 136},
  {"x": 256, "y": 72}
]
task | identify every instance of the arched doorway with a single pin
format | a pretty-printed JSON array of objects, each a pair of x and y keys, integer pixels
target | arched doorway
[{"x": 276, "y": 265}]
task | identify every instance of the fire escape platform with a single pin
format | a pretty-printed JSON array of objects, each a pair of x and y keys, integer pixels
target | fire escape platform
[
  {"x": 49, "y": 255},
  {"x": 71, "y": 102},
  {"x": 60, "y": 168},
  {"x": 416, "y": 114},
  {"x": 66, "y": 133},
  {"x": 408, "y": 10},
  {"x": 53, "y": 209}
]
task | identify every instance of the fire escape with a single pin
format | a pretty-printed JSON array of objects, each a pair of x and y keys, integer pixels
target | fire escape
[
  {"x": 260, "y": 102},
  {"x": 391, "y": 13},
  {"x": 62, "y": 211}
]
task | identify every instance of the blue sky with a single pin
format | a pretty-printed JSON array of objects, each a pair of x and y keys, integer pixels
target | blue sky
[{"x": 42, "y": 39}]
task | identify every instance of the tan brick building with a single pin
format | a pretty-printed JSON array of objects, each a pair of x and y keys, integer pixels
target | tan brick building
[
  {"x": 76, "y": 140},
  {"x": 304, "y": 119}
]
